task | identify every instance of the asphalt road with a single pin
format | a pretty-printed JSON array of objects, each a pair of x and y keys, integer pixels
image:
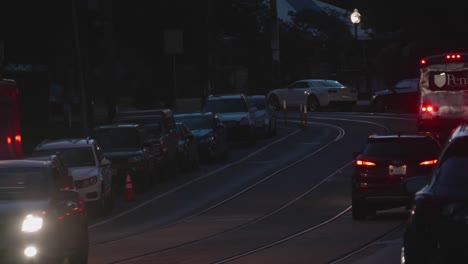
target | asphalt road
[{"x": 287, "y": 200}]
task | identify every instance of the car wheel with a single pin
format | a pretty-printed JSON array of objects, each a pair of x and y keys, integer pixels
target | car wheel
[
  {"x": 274, "y": 101},
  {"x": 359, "y": 209},
  {"x": 313, "y": 104}
]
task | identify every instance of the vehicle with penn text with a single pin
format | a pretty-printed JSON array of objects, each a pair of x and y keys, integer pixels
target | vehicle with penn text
[{"x": 443, "y": 92}]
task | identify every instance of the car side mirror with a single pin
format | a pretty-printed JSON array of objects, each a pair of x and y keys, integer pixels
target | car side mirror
[
  {"x": 105, "y": 162},
  {"x": 414, "y": 184}
]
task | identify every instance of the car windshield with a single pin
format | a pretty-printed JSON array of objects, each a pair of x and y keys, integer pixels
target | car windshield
[
  {"x": 23, "y": 182},
  {"x": 225, "y": 106},
  {"x": 258, "y": 102},
  {"x": 117, "y": 138},
  {"x": 452, "y": 176},
  {"x": 403, "y": 148},
  {"x": 196, "y": 122},
  {"x": 72, "y": 157}
]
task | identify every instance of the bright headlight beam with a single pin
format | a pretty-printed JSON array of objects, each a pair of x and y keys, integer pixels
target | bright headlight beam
[{"x": 31, "y": 224}]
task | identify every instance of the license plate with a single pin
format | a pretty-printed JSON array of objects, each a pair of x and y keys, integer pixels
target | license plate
[{"x": 397, "y": 170}]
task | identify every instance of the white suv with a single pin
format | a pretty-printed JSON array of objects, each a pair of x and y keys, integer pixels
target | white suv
[{"x": 90, "y": 170}]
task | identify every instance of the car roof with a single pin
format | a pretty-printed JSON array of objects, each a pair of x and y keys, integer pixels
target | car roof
[
  {"x": 383, "y": 137},
  {"x": 65, "y": 142},
  {"x": 117, "y": 126},
  {"x": 29, "y": 163},
  {"x": 161, "y": 112},
  {"x": 195, "y": 114},
  {"x": 225, "y": 96}
]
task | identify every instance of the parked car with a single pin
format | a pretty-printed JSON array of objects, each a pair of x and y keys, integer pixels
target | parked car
[
  {"x": 401, "y": 97},
  {"x": 91, "y": 171},
  {"x": 187, "y": 148},
  {"x": 41, "y": 221},
  {"x": 126, "y": 147},
  {"x": 437, "y": 229},
  {"x": 383, "y": 164},
  {"x": 210, "y": 133},
  {"x": 161, "y": 131},
  {"x": 265, "y": 115},
  {"x": 236, "y": 114},
  {"x": 314, "y": 94}
]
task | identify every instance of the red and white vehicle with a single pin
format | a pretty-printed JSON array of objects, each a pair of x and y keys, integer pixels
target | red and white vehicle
[
  {"x": 443, "y": 92},
  {"x": 10, "y": 136}
]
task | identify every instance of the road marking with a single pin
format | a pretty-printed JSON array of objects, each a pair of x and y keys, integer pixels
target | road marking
[{"x": 193, "y": 181}]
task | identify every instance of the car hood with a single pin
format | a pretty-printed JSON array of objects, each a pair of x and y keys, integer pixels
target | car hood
[
  {"x": 18, "y": 207},
  {"x": 199, "y": 133},
  {"x": 236, "y": 116},
  {"x": 81, "y": 173}
]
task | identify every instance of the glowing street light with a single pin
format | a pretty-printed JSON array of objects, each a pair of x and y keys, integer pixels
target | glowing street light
[{"x": 356, "y": 19}]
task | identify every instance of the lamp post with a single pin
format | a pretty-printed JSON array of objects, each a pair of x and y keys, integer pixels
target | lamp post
[{"x": 356, "y": 19}]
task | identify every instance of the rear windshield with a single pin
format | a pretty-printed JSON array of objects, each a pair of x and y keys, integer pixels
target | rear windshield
[
  {"x": 196, "y": 122},
  {"x": 72, "y": 157},
  {"x": 452, "y": 173},
  {"x": 117, "y": 138},
  {"x": 21, "y": 182},
  {"x": 226, "y": 106},
  {"x": 402, "y": 148}
]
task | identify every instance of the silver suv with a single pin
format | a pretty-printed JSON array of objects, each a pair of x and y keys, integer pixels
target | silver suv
[
  {"x": 236, "y": 114},
  {"x": 90, "y": 170}
]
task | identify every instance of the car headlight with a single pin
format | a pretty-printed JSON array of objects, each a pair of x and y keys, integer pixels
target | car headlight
[
  {"x": 135, "y": 159},
  {"x": 86, "y": 182},
  {"x": 31, "y": 223},
  {"x": 244, "y": 121}
]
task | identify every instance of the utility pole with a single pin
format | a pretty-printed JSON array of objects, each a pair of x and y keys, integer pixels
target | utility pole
[
  {"x": 275, "y": 46},
  {"x": 84, "y": 109}
]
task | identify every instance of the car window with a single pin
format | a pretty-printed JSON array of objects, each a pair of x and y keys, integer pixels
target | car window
[
  {"x": 23, "y": 182},
  {"x": 299, "y": 85},
  {"x": 332, "y": 84},
  {"x": 117, "y": 138},
  {"x": 258, "y": 102},
  {"x": 452, "y": 175},
  {"x": 405, "y": 84},
  {"x": 316, "y": 84},
  {"x": 71, "y": 157},
  {"x": 197, "y": 122},
  {"x": 402, "y": 148},
  {"x": 226, "y": 105}
]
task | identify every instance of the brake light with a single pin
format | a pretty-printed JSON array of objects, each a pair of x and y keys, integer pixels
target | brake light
[
  {"x": 8, "y": 140},
  {"x": 428, "y": 162},
  {"x": 18, "y": 138},
  {"x": 364, "y": 163},
  {"x": 429, "y": 109},
  {"x": 423, "y": 62},
  {"x": 453, "y": 56}
]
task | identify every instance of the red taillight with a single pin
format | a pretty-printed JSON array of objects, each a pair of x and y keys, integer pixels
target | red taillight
[
  {"x": 8, "y": 140},
  {"x": 429, "y": 108},
  {"x": 453, "y": 56},
  {"x": 428, "y": 162},
  {"x": 423, "y": 62},
  {"x": 364, "y": 163},
  {"x": 18, "y": 138}
]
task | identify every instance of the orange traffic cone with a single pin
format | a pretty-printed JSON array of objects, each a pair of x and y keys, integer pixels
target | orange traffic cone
[{"x": 129, "y": 193}]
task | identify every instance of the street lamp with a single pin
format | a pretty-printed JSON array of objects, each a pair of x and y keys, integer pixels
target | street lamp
[{"x": 356, "y": 19}]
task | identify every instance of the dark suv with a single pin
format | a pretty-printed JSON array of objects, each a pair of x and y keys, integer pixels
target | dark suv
[
  {"x": 161, "y": 130},
  {"x": 383, "y": 164},
  {"x": 126, "y": 147},
  {"x": 236, "y": 114},
  {"x": 438, "y": 225}
]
